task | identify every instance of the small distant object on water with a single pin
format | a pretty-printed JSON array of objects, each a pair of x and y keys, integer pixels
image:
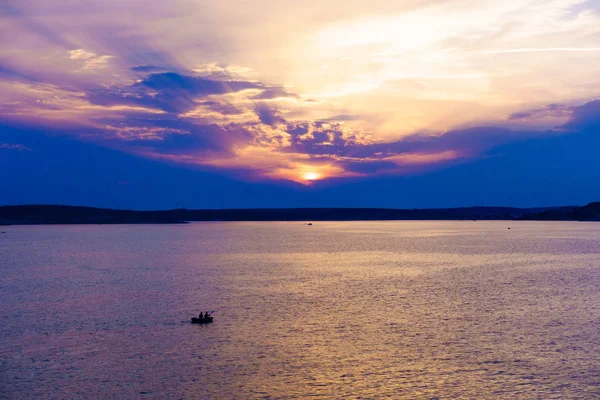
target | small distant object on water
[
  {"x": 203, "y": 318},
  {"x": 509, "y": 227},
  {"x": 309, "y": 224}
]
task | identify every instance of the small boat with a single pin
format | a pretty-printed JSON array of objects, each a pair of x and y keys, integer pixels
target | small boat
[
  {"x": 309, "y": 224},
  {"x": 205, "y": 320}
]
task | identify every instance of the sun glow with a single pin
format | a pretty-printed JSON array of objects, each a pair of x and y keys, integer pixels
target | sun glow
[{"x": 311, "y": 176}]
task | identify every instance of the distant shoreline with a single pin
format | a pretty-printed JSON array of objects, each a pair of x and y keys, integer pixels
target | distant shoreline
[{"x": 57, "y": 214}]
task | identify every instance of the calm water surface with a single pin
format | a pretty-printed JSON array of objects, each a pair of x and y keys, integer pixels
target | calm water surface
[{"x": 350, "y": 310}]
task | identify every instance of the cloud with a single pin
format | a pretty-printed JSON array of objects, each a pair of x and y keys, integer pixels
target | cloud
[
  {"x": 330, "y": 149},
  {"x": 147, "y": 68},
  {"x": 369, "y": 167},
  {"x": 585, "y": 116},
  {"x": 14, "y": 146},
  {"x": 222, "y": 108},
  {"x": 409, "y": 85},
  {"x": 41, "y": 30},
  {"x": 175, "y": 137},
  {"x": 343, "y": 117},
  {"x": 193, "y": 85},
  {"x": 81, "y": 54},
  {"x": 168, "y": 91},
  {"x": 274, "y": 92},
  {"x": 551, "y": 110},
  {"x": 90, "y": 60},
  {"x": 201, "y": 142},
  {"x": 267, "y": 115},
  {"x": 543, "y": 50},
  {"x": 221, "y": 123},
  {"x": 548, "y": 117},
  {"x": 338, "y": 140},
  {"x": 11, "y": 73},
  {"x": 223, "y": 71}
]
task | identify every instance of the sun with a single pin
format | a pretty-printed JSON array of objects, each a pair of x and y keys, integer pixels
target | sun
[{"x": 311, "y": 176}]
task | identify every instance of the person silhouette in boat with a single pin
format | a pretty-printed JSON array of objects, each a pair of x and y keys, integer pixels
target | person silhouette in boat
[{"x": 201, "y": 317}]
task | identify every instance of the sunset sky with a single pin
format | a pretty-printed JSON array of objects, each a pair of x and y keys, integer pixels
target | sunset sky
[{"x": 262, "y": 103}]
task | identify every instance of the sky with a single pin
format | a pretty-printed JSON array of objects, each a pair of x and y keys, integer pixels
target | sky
[{"x": 255, "y": 103}]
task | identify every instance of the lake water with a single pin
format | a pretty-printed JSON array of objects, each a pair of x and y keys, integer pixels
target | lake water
[{"x": 344, "y": 310}]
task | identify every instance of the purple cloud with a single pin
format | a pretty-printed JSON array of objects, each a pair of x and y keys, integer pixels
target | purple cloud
[
  {"x": 11, "y": 73},
  {"x": 222, "y": 108},
  {"x": 368, "y": 167},
  {"x": 168, "y": 91},
  {"x": 9, "y": 10},
  {"x": 14, "y": 146},
  {"x": 147, "y": 68},
  {"x": 585, "y": 116},
  {"x": 268, "y": 115},
  {"x": 551, "y": 110},
  {"x": 273, "y": 93}
]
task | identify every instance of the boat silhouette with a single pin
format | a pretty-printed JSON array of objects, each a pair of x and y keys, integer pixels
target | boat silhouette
[
  {"x": 206, "y": 319},
  {"x": 202, "y": 321}
]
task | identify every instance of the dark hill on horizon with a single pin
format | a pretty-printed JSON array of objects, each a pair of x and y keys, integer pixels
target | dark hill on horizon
[
  {"x": 590, "y": 212},
  {"x": 57, "y": 214}
]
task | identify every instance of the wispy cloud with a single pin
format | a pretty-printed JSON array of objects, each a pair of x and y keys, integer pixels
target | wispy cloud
[
  {"x": 90, "y": 60},
  {"x": 543, "y": 50},
  {"x": 14, "y": 146}
]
